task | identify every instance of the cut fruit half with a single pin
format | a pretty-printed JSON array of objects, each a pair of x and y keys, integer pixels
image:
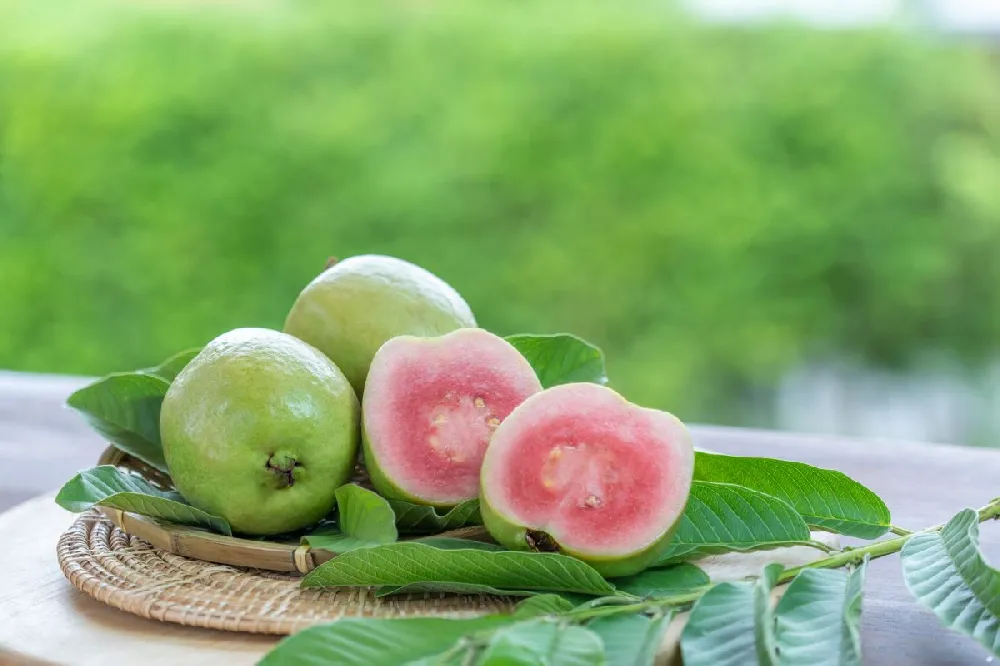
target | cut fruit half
[
  {"x": 431, "y": 406},
  {"x": 578, "y": 469}
]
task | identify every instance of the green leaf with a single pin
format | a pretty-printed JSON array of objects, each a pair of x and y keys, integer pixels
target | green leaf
[
  {"x": 582, "y": 603},
  {"x": 125, "y": 408},
  {"x": 663, "y": 582},
  {"x": 336, "y": 542},
  {"x": 825, "y": 498},
  {"x": 405, "y": 563},
  {"x": 364, "y": 520},
  {"x": 419, "y": 519},
  {"x": 561, "y": 358},
  {"x": 452, "y": 543},
  {"x": 733, "y": 625},
  {"x": 172, "y": 367},
  {"x": 108, "y": 486},
  {"x": 630, "y": 640},
  {"x": 946, "y": 572},
  {"x": 816, "y": 623},
  {"x": 543, "y": 642},
  {"x": 542, "y": 604},
  {"x": 449, "y": 588},
  {"x": 819, "y": 618},
  {"x": 721, "y": 517},
  {"x": 764, "y": 624},
  {"x": 363, "y": 642},
  {"x": 365, "y": 515},
  {"x": 462, "y": 653}
]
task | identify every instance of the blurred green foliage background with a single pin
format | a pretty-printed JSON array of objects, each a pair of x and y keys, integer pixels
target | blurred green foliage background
[{"x": 711, "y": 205}]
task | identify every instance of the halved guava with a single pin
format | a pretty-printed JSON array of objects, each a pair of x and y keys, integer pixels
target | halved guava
[
  {"x": 430, "y": 408},
  {"x": 580, "y": 470}
]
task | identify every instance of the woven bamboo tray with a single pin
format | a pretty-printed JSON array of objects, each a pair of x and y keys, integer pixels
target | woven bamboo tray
[
  {"x": 203, "y": 545},
  {"x": 192, "y": 577},
  {"x": 128, "y": 573}
]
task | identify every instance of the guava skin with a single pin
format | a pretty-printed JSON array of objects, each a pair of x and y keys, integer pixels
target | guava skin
[
  {"x": 261, "y": 429},
  {"x": 516, "y": 537},
  {"x": 356, "y": 305},
  {"x": 385, "y": 486},
  {"x": 582, "y": 450}
]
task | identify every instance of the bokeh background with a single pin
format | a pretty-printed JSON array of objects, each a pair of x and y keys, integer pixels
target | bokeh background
[{"x": 767, "y": 222}]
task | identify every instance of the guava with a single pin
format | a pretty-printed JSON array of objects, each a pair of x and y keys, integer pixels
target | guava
[
  {"x": 578, "y": 469},
  {"x": 357, "y": 304},
  {"x": 261, "y": 429},
  {"x": 430, "y": 408}
]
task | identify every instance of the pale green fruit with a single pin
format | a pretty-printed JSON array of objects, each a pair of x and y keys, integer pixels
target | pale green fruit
[
  {"x": 261, "y": 429},
  {"x": 358, "y": 304}
]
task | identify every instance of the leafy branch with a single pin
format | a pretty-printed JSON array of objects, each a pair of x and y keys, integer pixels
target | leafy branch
[
  {"x": 844, "y": 558},
  {"x": 816, "y": 621},
  {"x": 853, "y": 556}
]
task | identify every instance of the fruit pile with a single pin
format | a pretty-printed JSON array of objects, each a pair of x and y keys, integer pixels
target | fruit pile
[
  {"x": 381, "y": 360},
  {"x": 382, "y": 420}
]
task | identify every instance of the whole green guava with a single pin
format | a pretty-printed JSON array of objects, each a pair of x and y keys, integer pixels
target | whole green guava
[
  {"x": 261, "y": 429},
  {"x": 357, "y": 304}
]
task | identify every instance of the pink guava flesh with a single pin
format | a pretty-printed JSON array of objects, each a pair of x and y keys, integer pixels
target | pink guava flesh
[
  {"x": 431, "y": 406},
  {"x": 583, "y": 469}
]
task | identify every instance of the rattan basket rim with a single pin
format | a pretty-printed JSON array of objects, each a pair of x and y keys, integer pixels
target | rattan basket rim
[
  {"x": 128, "y": 573},
  {"x": 207, "y": 546}
]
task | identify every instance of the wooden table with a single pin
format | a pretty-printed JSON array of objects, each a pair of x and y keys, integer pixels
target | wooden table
[{"x": 922, "y": 484}]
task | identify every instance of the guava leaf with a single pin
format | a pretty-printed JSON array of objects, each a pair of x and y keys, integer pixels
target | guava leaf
[
  {"x": 367, "y": 641},
  {"x": 630, "y": 640},
  {"x": 826, "y": 499},
  {"x": 172, "y": 367},
  {"x": 561, "y": 358},
  {"x": 405, "y": 563},
  {"x": 336, "y": 541},
  {"x": 816, "y": 623},
  {"x": 722, "y": 517},
  {"x": 108, "y": 486},
  {"x": 364, "y": 519},
  {"x": 583, "y": 603},
  {"x": 462, "y": 653},
  {"x": 543, "y": 641},
  {"x": 542, "y": 604},
  {"x": 452, "y": 543},
  {"x": 450, "y": 588},
  {"x": 947, "y": 573},
  {"x": 420, "y": 519},
  {"x": 663, "y": 582},
  {"x": 365, "y": 515},
  {"x": 819, "y": 618},
  {"x": 125, "y": 408},
  {"x": 733, "y": 625}
]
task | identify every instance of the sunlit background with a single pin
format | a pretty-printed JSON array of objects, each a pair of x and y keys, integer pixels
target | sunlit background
[{"x": 778, "y": 214}]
